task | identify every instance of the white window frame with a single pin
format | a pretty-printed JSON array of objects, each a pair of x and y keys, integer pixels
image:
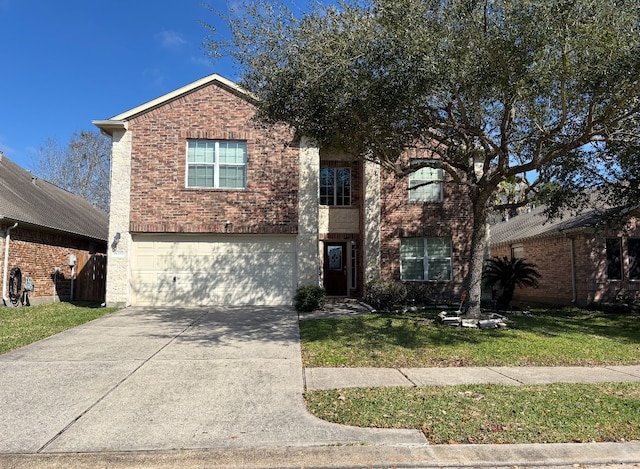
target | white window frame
[
  {"x": 426, "y": 259},
  {"x": 216, "y": 164},
  {"x": 517, "y": 251},
  {"x": 418, "y": 192},
  {"x": 334, "y": 196}
]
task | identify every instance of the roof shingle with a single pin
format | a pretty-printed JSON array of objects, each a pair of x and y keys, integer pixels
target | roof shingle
[
  {"x": 535, "y": 224},
  {"x": 27, "y": 199}
]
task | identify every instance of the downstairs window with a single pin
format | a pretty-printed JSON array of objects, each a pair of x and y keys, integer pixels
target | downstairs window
[{"x": 425, "y": 259}]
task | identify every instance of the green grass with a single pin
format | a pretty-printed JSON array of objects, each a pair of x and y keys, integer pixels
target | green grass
[
  {"x": 569, "y": 337},
  {"x": 555, "y": 413},
  {"x": 486, "y": 414},
  {"x": 22, "y": 326}
]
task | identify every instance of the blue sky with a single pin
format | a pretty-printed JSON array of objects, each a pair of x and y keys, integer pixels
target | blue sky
[{"x": 65, "y": 63}]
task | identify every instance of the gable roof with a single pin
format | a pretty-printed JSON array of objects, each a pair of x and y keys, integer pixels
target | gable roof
[
  {"x": 119, "y": 121},
  {"x": 534, "y": 224},
  {"x": 32, "y": 201}
]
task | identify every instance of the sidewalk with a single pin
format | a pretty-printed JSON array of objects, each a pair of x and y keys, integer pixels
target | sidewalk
[{"x": 333, "y": 378}]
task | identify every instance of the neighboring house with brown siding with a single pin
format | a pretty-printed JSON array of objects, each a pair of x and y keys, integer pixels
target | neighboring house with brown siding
[
  {"x": 579, "y": 261},
  {"x": 209, "y": 207},
  {"x": 42, "y": 230}
]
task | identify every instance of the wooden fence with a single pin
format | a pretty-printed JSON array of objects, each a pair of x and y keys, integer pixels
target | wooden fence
[{"x": 91, "y": 277}]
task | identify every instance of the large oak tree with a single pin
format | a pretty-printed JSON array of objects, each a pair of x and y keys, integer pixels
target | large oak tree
[{"x": 496, "y": 89}]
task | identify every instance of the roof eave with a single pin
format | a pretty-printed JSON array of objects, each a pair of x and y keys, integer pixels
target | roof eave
[
  {"x": 549, "y": 234},
  {"x": 109, "y": 126},
  {"x": 53, "y": 229}
]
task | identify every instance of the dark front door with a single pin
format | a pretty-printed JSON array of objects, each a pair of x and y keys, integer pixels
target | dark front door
[{"x": 335, "y": 269}]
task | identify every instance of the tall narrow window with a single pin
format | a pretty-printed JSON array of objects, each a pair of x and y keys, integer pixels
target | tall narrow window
[
  {"x": 354, "y": 265},
  {"x": 425, "y": 184},
  {"x": 614, "y": 259},
  {"x": 425, "y": 259},
  {"x": 335, "y": 186},
  {"x": 216, "y": 164},
  {"x": 633, "y": 245}
]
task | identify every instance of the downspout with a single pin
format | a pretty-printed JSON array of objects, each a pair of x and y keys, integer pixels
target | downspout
[{"x": 7, "y": 238}]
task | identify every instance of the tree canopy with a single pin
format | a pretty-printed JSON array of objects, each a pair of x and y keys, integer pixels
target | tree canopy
[
  {"x": 495, "y": 89},
  {"x": 82, "y": 166}
]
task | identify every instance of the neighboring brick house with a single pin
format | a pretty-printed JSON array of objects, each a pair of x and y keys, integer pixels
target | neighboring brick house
[
  {"x": 209, "y": 207},
  {"x": 580, "y": 262},
  {"x": 42, "y": 230}
]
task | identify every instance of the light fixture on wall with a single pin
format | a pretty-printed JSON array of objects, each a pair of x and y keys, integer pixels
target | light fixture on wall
[{"x": 116, "y": 240}]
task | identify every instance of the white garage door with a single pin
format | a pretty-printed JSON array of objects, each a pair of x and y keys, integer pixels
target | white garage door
[{"x": 189, "y": 270}]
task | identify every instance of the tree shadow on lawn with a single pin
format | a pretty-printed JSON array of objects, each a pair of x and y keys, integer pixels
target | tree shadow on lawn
[
  {"x": 417, "y": 330},
  {"x": 377, "y": 330},
  {"x": 593, "y": 323}
]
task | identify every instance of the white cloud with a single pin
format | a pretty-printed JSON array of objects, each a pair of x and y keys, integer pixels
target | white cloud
[
  {"x": 171, "y": 39},
  {"x": 204, "y": 61}
]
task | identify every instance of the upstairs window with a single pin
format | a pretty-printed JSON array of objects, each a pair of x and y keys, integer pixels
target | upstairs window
[
  {"x": 335, "y": 186},
  {"x": 217, "y": 164},
  {"x": 425, "y": 184},
  {"x": 425, "y": 259}
]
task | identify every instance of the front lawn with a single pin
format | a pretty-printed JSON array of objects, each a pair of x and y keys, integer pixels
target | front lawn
[
  {"x": 22, "y": 326},
  {"x": 567, "y": 337},
  {"x": 485, "y": 414},
  {"x": 550, "y": 413}
]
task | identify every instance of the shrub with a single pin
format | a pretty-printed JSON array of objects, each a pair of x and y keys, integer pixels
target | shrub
[
  {"x": 309, "y": 298},
  {"x": 385, "y": 295},
  {"x": 420, "y": 293},
  {"x": 506, "y": 274}
]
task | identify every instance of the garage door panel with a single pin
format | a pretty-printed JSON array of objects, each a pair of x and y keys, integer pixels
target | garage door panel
[
  {"x": 209, "y": 270},
  {"x": 228, "y": 262},
  {"x": 205, "y": 246}
]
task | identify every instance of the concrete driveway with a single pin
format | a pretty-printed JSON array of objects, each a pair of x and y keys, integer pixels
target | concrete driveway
[{"x": 166, "y": 379}]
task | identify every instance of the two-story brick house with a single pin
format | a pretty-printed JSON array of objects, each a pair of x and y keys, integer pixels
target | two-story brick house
[{"x": 210, "y": 207}]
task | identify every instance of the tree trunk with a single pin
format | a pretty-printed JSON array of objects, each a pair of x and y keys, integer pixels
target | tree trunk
[{"x": 479, "y": 243}]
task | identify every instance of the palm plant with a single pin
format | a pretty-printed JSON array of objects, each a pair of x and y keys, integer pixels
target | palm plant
[{"x": 504, "y": 275}]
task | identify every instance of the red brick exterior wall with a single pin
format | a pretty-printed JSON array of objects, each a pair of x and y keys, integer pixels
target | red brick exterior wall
[
  {"x": 160, "y": 201},
  {"x": 399, "y": 218},
  {"x": 37, "y": 254},
  {"x": 552, "y": 257}
]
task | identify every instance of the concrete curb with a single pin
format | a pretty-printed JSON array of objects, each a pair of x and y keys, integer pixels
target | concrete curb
[{"x": 440, "y": 456}]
